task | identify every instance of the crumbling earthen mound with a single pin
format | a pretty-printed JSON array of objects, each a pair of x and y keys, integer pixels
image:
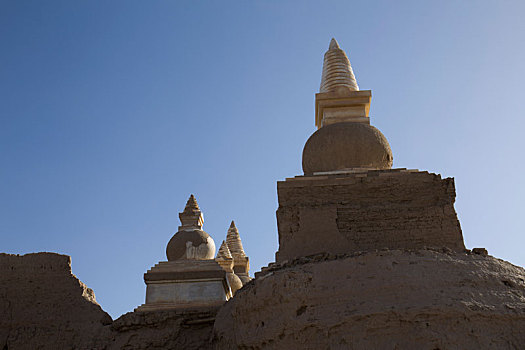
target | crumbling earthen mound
[
  {"x": 43, "y": 305},
  {"x": 188, "y": 329},
  {"x": 394, "y": 299}
]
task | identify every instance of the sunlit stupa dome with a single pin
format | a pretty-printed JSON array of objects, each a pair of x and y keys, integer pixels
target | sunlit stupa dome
[{"x": 346, "y": 146}]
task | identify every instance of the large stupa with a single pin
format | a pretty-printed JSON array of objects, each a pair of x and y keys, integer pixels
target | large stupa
[
  {"x": 349, "y": 198},
  {"x": 370, "y": 257}
]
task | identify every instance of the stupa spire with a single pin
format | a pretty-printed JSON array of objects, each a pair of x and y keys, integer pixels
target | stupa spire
[
  {"x": 224, "y": 252},
  {"x": 191, "y": 218},
  {"x": 234, "y": 241},
  {"x": 337, "y": 71},
  {"x": 225, "y": 260}
]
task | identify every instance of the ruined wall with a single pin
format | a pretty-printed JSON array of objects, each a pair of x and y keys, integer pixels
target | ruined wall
[
  {"x": 44, "y": 306},
  {"x": 170, "y": 329},
  {"x": 366, "y": 211},
  {"x": 406, "y": 299},
  {"x": 391, "y": 299}
]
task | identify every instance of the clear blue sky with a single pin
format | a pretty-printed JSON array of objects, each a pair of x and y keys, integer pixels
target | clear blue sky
[{"x": 113, "y": 112}]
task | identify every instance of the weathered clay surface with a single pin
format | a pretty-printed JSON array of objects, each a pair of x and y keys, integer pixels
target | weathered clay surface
[
  {"x": 192, "y": 245},
  {"x": 182, "y": 329},
  {"x": 391, "y": 299},
  {"x": 346, "y": 145},
  {"x": 44, "y": 306},
  {"x": 366, "y": 211}
]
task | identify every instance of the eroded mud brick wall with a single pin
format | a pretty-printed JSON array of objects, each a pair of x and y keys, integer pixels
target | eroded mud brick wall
[{"x": 366, "y": 211}]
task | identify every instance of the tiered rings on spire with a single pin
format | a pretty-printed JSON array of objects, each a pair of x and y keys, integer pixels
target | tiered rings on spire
[
  {"x": 234, "y": 241},
  {"x": 224, "y": 252},
  {"x": 233, "y": 247},
  {"x": 191, "y": 218},
  {"x": 337, "y": 71}
]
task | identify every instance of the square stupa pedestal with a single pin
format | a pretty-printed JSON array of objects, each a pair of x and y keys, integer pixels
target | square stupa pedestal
[
  {"x": 342, "y": 106},
  {"x": 348, "y": 211},
  {"x": 185, "y": 284}
]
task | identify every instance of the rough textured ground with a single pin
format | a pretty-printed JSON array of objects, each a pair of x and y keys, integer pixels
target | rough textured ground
[
  {"x": 189, "y": 329},
  {"x": 391, "y": 299},
  {"x": 44, "y": 306}
]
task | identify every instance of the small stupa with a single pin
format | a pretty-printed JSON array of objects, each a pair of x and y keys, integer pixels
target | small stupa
[
  {"x": 191, "y": 277},
  {"x": 225, "y": 260},
  {"x": 241, "y": 263}
]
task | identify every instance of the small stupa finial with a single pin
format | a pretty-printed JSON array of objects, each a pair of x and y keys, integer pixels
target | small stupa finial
[
  {"x": 191, "y": 217},
  {"x": 337, "y": 71},
  {"x": 191, "y": 204},
  {"x": 224, "y": 252},
  {"x": 234, "y": 241}
]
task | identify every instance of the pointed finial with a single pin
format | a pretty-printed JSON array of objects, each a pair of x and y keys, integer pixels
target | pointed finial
[
  {"x": 191, "y": 204},
  {"x": 224, "y": 252},
  {"x": 234, "y": 241},
  {"x": 191, "y": 217},
  {"x": 337, "y": 71},
  {"x": 333, "y": 44}
]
